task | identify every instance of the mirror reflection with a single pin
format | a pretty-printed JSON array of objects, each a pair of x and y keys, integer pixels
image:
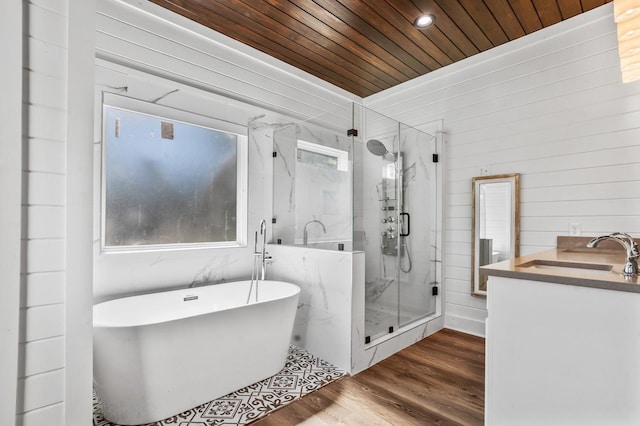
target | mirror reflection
[{"x": 495, "y": 224}]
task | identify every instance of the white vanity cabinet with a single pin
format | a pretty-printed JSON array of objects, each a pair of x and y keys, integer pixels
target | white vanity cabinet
[{"x": 560, "y": 354}]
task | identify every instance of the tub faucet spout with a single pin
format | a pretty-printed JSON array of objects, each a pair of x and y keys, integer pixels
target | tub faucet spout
[
  {"x": 305, "y": 237},
  {"x": 630, "y": 268}
]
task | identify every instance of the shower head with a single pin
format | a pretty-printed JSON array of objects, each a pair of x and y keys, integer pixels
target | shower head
[{"x": 377, "y": 148}]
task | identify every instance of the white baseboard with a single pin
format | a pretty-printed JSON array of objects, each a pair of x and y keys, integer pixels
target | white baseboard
[{"x": 465, "y": 325}]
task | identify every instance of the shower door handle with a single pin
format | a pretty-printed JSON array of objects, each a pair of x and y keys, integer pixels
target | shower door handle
[{"x": 408, "y": 225}]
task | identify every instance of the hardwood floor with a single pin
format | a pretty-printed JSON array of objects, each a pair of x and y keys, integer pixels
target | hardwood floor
[{"x": 439, "y": 381}]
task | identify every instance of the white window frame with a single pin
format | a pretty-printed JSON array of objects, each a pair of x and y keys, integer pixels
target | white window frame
[
  {"x": 340, "y": 155},
  {"x": 187, "y": 117}
]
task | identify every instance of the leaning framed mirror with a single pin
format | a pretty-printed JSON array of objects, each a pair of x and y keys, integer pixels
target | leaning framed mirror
[{"x": 495, "y": 224}]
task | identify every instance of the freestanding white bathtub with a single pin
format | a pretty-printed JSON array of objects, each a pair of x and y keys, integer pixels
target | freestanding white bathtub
[{"x": 160, "y": 354}]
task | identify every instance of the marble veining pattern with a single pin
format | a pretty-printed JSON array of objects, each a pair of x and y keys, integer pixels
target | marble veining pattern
[
  {"x": 303, "y": 373},
  {"x": 306, "y": 192},
  {"x": 323, "y": 321}
]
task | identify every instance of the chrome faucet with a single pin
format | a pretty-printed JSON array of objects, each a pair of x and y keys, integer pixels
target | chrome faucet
[
  {"x": 264, "y": 255},
  {"x": 630, "y": 268},
  {"x": 305, "y": 237}
]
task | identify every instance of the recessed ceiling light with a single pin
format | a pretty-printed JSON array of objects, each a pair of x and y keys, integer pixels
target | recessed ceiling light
[{"x": 424, "y": 21}]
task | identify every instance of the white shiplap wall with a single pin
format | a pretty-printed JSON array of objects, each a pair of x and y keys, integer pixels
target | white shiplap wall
[
  {"x": 550, "y": 106},
  {"x": 41, "y": 372}
]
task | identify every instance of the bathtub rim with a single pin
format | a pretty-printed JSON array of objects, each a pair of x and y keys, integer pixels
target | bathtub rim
[{"x": 99, "y": 320}]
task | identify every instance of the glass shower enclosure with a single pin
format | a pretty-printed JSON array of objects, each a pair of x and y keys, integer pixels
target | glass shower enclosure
[
  {"x": 355, "y": 180},
  {"x": 395, "y": 217}
]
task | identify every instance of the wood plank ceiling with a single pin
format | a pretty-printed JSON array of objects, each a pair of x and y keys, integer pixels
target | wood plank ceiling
[{"x": 366, "y": 46}]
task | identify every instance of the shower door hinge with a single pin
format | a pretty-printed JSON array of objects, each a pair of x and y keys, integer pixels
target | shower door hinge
[
  {"x": 352, "y": 132},
  {"x": 434, "y": 291},
  {"x": 435, "y": 158},
  {"x": 274, "y": 154}
]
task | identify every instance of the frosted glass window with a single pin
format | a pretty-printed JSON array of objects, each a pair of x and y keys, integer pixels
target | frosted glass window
[
  {"x": 167, "y": 182},
  {"x": 322, "y": 156},
  {"x": 318, "y": 160}
]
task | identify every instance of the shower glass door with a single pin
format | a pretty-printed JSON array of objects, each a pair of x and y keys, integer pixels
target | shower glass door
[
  {"x": 417, "y": 186},
  {"x": 394, "y": 220}
]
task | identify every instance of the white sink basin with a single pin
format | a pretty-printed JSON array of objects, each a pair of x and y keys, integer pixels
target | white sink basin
[
  {"x": 568, "y": 268},
  {"x": 571, "y": 270}
]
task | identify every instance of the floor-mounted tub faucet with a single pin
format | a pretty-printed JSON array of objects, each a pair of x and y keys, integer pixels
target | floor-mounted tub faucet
[
  {"x": 305, "y": 237},
  {"x": 261, "y": 255},
  {"x": 630, "y": 268},
  {"x": 264, "y": 256}
]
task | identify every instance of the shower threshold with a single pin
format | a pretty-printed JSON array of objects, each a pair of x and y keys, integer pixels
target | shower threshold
[{"x": 403, "y": 328}]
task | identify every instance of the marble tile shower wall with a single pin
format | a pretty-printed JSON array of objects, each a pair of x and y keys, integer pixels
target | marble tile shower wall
[
  {"x": 284, "y": 169},
  {"x": 325, "y": 316},
  {"x": 371, "y": 178},
  {"x": 305, "y": 192}
]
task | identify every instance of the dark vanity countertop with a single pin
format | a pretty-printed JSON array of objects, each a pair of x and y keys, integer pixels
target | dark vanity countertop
[{"x": 571, "y": 251}]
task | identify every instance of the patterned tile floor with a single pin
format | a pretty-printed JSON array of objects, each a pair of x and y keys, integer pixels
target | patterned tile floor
[{"x": 303, "y": 373}]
